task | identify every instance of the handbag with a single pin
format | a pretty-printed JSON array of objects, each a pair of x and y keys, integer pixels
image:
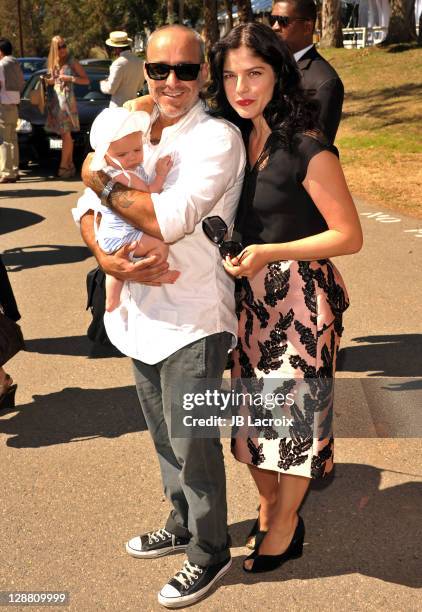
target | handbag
[
  {"x": 95, "y": 286},
  {"x": 37, "y": 96},
  {"x": 11, "y": 339}
]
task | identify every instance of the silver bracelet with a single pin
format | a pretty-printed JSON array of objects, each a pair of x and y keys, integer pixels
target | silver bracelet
[{"x": 105, "y": 194}]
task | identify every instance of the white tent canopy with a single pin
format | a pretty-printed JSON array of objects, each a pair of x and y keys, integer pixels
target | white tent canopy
[{"x": 372, "y": 13}]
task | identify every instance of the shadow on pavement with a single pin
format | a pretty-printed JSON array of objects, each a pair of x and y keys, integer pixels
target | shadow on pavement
[
  {"x": 409, "y": 385},
  {"x": 36, "y": 255},
  {"x": 76, "y": 346},
  {"x": 394, "y": 355},
  {"x": 351, "y": 527},
  {"x": 12, "y": 219},
  {"x": 35, "y": 193},
  {"x": 73, "y": 415}
]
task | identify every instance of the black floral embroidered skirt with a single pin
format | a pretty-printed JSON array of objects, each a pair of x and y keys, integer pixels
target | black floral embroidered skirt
[{"x": 290, "y": 325}]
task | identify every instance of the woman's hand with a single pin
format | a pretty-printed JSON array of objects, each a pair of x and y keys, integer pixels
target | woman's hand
[
  {"x": 48, "y": 79},
  {"x": 249, "y": 262},
  {"x": 66, "y": 78}
]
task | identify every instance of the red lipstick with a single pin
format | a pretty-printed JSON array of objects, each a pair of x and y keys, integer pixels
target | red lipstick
[{"x": 244, "y": 102}]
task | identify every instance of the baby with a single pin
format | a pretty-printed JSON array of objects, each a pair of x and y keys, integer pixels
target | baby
[{"x": 116, "y": 137}]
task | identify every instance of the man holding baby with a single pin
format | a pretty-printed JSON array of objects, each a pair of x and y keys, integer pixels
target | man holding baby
[{"x": 181, "y": 330}]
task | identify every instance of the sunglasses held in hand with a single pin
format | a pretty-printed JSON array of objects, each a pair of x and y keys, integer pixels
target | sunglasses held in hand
[
  {"x": 157, "y": 71},
  {"x": 215, "y": 229}
]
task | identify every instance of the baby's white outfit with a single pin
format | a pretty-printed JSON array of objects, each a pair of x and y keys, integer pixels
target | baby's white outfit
[{"x": 114, "y": 231}]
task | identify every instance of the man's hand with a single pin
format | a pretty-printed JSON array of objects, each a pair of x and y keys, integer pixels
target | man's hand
[
  {"x": 118, "y": 264},
  {"x": 146, "y": 271}
]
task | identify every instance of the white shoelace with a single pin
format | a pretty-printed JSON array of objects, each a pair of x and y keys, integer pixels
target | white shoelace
[
  {"x": 188, "y": 574},
  {"x": 156, "y": 536}
]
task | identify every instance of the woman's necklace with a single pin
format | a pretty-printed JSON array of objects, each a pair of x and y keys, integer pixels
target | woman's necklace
[{"x": 256, "y": 146}]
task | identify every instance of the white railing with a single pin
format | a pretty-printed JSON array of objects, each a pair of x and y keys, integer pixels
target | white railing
[{"x": 358, "y": 38}]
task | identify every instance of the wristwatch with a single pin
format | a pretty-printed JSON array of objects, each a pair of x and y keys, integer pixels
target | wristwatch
[{"x": 105, "y": 194}]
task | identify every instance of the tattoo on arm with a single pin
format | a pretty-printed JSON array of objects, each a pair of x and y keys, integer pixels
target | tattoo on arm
[
  {"x": 136, "y": 207},
  {"x": 97, "y": 181},
  {"x": 121, "y": 198}
]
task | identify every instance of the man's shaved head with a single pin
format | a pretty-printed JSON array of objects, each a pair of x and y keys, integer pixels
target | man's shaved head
[{"x": 183, "y": 29}]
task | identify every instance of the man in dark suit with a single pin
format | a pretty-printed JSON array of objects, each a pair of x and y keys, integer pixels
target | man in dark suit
[{"x": 294, "y": 22}]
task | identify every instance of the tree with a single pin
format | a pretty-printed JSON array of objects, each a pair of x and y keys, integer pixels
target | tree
[
  {"x": 99, "y": 18},
  {"x": 181, "y": 10},
  {"x": 211, "y": 30},
  {"x": 332, "y": 35},
  {"x": 193, "y": 11},
  {"x": 88, "y": 23},
  {"x": 244, "y": 10},
  {"x": 420, "y": 30},
  {"x": 402, "y": 26},
  {"x": 32, "y": 20},
  {"x": 228, "y": 5},
  {"x": 170, "y": 11},
  {"x": 9, "y": 27}
]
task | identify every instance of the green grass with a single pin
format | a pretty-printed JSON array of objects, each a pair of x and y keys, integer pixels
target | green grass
[
  {"x": 380, "y": 134},
  {"x": 387, "y": 142}
]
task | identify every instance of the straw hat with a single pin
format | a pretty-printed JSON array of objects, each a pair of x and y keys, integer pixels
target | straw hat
[
  {"x": 110, "y": 125},
  {"x": 118, "y": 39}
]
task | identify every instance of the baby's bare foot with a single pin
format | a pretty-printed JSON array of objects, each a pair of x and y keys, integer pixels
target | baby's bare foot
[{"x": 111, "y": 304}]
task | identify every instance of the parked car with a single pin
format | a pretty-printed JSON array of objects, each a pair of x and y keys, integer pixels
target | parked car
[
  {"x": 35, "y": 144},
  {"x": 30, "y": 65},
  {"x": 105, "y": 63}
]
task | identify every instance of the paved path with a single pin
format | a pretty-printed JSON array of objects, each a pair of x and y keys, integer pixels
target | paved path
[{"x": 79, "y": 476}]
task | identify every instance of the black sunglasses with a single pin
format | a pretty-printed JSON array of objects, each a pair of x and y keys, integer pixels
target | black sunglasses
[
  {"x": 284, "y": 21},
  {"x": 215, "y": 229},
  {"x": 63, "y": 46},
  {"x": 158, "y": 71}
]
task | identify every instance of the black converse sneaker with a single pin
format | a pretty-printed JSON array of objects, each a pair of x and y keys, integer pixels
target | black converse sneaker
[
  {"x": 156, "y": 544},
  {"x": 191, "y": 584}
]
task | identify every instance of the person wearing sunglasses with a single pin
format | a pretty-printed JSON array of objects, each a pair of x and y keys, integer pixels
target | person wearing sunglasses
[
  {"x": 294, "y": 22},
  {"x": 294, "y": 214},
  {"x": 126, "y": 76},
  {"x": 179, "y": 332},
  {"x": 62, "y": 111}
]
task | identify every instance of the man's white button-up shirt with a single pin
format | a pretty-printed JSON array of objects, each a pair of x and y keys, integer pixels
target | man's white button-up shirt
[{"x": 206, "y": 179}]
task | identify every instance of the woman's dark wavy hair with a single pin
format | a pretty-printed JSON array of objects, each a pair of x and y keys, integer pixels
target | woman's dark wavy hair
[{"x": 290, "y": 109}]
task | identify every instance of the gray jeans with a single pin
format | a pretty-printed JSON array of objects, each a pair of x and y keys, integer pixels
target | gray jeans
[{"x": 192, "y": 469}]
